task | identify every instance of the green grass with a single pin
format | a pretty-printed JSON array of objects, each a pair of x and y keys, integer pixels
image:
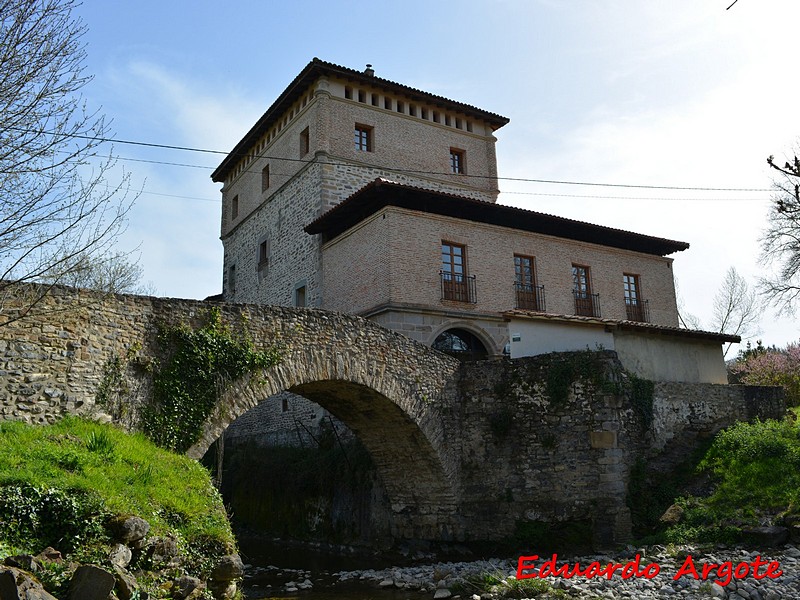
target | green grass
[
  {"x": 756, "y": 470},
  {"x": 80, "y": 470},
  {"x": 757, "y": 466},
  {"x": 503, "y": 586}
]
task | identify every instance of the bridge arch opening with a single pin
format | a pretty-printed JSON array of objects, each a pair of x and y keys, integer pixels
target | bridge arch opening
[{"x": 410, "y": 493}]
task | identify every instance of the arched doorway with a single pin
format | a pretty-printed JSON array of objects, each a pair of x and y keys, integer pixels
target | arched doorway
[{"x": 460, "y": 343}]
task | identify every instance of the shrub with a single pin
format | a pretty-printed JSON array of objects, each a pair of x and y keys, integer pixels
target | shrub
[
  {"x": 757, "y": 471},
  {"x": 770, "y": 366},
  {"x": 41, "y": 516}
]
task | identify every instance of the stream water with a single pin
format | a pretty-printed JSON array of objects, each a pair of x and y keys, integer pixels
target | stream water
[{"x": 272, "y": 565}]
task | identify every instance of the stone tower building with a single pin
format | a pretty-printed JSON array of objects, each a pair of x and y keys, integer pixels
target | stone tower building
[
  {"x": 357, "y": 194},
  {"x": 331, "y": 132}
]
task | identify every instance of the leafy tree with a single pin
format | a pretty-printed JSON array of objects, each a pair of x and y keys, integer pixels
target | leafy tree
[
  {"x": 780, "y": 243},
  {"x": 770, "y": 366},
  {"x": 57, "y": 206}
]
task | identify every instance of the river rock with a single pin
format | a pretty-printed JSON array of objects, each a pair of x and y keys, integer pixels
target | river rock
[
  {"x": 794, "y": 533},
  {"x": 126, "y": 583},
  {"x": 50, "y": 554},
  {"x": 442, "y": 593},
  {"x": 16, "y": 584},
  {"x": 23, "y": 561},
  {"x": 228, "y": 568},
  {"x": 184, "y": 586},
  {"x": 91, "y": 583},
  {"x": 129, "y": 529},
  {"x": 224, "y": 590},
  {"x": 120, "y": 555},
  {"x": 769, "y": 537},
  {"x": 672, "y": 515},
  {"x": 163, "y": 551}
]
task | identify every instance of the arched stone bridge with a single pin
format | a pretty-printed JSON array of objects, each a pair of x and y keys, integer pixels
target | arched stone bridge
[{"x": 465, "y": 452}]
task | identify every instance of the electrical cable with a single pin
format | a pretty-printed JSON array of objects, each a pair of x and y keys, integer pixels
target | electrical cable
[{"x": 413, "y": 171}]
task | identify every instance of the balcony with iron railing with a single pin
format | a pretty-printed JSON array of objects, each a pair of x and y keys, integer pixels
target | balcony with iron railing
[
  {"x": 637, "y": 310},
  {"x": 458, "y": 287},
  {"x": 586, "y": 305},
  {"x": 529, "y": 296}
]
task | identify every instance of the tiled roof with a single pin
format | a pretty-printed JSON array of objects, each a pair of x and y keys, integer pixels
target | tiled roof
[
  {"x": 313, "y": 71},
  {"x": 381, "y": 193},
  {"x": 624, "y": 325}
]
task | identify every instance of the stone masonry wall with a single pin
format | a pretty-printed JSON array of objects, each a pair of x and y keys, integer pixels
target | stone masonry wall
[
  {"x": 303, "y": 185},
  {"x": 465, "y": 451},
  {"x": 527, "y": 458},
  {"x": 285, "y": 419},
  {"x": 293, "y": 254},
  {"x": 402, "y": 141}
]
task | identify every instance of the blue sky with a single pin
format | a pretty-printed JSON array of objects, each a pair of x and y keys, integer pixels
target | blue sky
[{"x": 680, "y": 93}]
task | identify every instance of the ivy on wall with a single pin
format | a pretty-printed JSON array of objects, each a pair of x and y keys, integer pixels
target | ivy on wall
[
  {"x": 114, "y": 384},
  {"x": 594, "y": 369},
  {"x": 196, "y": 368}
]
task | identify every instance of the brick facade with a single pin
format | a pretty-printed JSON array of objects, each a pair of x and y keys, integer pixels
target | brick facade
[{"x": 392, "y": 260}]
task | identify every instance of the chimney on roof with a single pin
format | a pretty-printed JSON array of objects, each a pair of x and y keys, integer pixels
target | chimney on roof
[{"x": 369, "y": 70}]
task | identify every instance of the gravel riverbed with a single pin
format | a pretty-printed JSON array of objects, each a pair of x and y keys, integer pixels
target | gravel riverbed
[{"x": 445, "y": 579}]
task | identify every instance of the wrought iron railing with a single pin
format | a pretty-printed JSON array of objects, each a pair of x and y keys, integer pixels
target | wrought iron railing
[
  {"x": 637, "y": 310},
  {"x": 458, "y": 287},
  {"x": 529, "y": 296},
  {"x": 586, "y": 305}
]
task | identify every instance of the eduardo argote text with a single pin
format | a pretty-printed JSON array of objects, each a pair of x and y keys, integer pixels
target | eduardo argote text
[{"x": 722, "y": 573}]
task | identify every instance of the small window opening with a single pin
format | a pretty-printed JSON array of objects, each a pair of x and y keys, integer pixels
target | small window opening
[
  {"x": 300, "y": 296},
  {"x": 265, "y": 178},
  {"x": 304, "y": 142}
]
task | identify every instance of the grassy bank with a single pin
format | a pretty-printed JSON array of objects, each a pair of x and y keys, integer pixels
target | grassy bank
[
  {"x": 752, "y": 472},
  {"x": 60, "y": 486}
]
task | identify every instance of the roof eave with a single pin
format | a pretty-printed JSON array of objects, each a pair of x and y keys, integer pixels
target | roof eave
[
  {"x": 381, "y": 193},
  {"x": 623, "y": 325}
]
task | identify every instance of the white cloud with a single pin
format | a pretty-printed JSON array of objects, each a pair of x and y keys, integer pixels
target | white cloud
[{"x": 174, "y": 225}]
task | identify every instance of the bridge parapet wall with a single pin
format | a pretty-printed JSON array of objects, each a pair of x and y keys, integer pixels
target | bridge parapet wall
[{"x": 529, "y": 458}]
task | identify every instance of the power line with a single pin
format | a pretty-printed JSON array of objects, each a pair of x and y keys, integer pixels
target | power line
[
  {"x": 396, "y": 170},
  {"x": 593, "y": 197},
  {"x": 174, "y": 196},
  {"x": 543, "y": 194},
  {"x": 163, "y": 162}
]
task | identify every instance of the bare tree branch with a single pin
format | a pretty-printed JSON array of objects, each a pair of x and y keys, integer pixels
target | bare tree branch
[
  {"x": 780, "y": 242},
  {"x": 58, "y": 209},
  {"x": 736, "y": 309}
]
